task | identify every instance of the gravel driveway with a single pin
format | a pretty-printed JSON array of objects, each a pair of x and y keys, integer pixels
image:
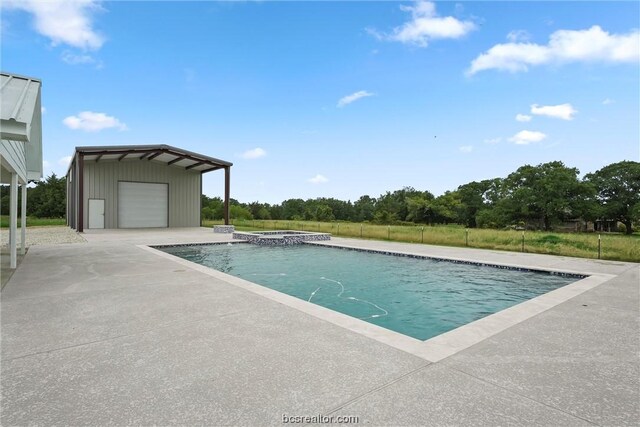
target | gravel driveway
[{"x": 44, "y": 236}]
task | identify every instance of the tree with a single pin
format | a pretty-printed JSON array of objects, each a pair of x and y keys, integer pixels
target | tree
[
  {"x": 475, "y": 197},
  {"x": 5, "y": 199},
  {"x": 618, "y": 190},
  {"x": 212, "y": 208},
  {"x": 395, "y": 205},
  {"x": 384, "y": 216},
  {"x": 276, "y": 212},
  {"x": 363, "y": 209},
  {"x": 492, "y": 218},
  {"x": 340, "y": 209},
  {"x": 260, "y": 210},
  {"x": 318, "y": 210},
  {"x": 324, "y": 213},
  {"x": 48, "y": 199},
  {"x": 239, "y": 212},
  {"x": 447, "y": 208},
  {"x": 293, "y": 209},
  {"x": 546, "y": 193},
  {"x": 420, "y": 208}
]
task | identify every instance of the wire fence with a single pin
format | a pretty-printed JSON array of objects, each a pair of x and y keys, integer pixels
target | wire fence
[{"x": 586, "y": 245}]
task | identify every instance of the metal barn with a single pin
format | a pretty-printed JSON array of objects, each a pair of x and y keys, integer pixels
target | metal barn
[{"x": 141, "y": 186}]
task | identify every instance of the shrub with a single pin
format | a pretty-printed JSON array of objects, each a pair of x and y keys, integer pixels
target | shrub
[{"x": 621, "y": 228}]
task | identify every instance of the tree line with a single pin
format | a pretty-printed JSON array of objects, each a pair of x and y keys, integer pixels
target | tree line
[
  {"x": 538, "y": 197},
  {"x": 47, "y": 199}
]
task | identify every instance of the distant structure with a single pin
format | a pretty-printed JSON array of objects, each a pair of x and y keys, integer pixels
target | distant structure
[{"x": 138, "y": 186}]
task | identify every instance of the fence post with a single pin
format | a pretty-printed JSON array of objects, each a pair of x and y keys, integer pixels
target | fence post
[
  {"x": 361, "y": 231},
  {"x": 523, "y": 241},
  {"x": 388, "y": 232},
  {"x": 599, "y": 246},
  {"x": 338, "y": 229},
  {"x": 422, "y": 234},
  {"x": 466, "y": 237}
]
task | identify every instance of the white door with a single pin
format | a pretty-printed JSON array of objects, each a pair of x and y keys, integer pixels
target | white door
[
  {"x": 96, "y": 213},
  {"x": 143, "y": 204}
]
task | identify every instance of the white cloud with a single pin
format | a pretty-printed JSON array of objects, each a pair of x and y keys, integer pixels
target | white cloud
[
  {"x": 93, "y": 122},
  {"x": 46, "y": 166},
  {"x": 63, "y": 22},
  {"x": 82, "y": 59},
  {"x": 43, "y": 110},
  {"x": 592, "y": 45},
  {"x": 353, "y": 97},
  {"x": 523, "y": 118},
  {"x": 466, "y": 148},
  {"x": 64, "y": 161},
  {"x": 425, "y": 26},
  {"x": 518, "y": 36},
  {"x": 608, "y": 101},
  {"x": 254, "y": 153},
  {"x": 492, "y": 141},
  {"x": 318, "y": 179},
  {"x": 525, "y": 137},
  {"x": 562, "y": 111}
]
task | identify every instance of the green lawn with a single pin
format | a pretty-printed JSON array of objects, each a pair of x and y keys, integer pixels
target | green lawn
[
  {"x": 614, "y": 246},
  {"x": 34, "y": 222}
]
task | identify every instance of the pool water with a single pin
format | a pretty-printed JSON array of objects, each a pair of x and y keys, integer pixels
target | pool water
[{"x": 420, "y": 298}]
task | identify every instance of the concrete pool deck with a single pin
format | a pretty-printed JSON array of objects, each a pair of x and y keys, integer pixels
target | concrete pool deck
[{"x": 108, "y": 332}]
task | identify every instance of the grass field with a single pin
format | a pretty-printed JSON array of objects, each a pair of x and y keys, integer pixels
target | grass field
[
  {"x": 34, "y": 222},
  {"x": 613, "y": 246}
]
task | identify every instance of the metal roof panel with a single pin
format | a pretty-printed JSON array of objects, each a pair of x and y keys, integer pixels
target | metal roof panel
[
  {"x": 159, "y": 153},
  {"x": 19, "y": 97}
]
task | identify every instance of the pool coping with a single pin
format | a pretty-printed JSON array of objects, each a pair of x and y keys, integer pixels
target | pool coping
[{"x": 433, "y": 349}]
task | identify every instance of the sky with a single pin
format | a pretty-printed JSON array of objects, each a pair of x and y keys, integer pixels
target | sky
[{"x": 336, "y": 99}]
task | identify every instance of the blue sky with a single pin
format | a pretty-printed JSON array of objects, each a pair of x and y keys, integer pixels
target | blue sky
[{"x": 337, "y": 99}]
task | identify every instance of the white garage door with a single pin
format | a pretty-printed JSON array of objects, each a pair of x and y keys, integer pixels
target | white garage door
[{"x": 142, "y": 204}]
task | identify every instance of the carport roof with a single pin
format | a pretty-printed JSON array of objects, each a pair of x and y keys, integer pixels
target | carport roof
[
  {"x": 19, "y": 95},
  {"x": 167, "y": 154}
]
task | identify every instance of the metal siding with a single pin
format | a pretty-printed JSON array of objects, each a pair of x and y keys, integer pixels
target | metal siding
[
  {"x": 13, "y": 153},
  {"x": 67, "y": 208},
  {"x": 74, "y": 204},
  {"x": 111, "y": 211},
  {"x": 33, "y": 148},
  {"x": 101, "y": 182},
  {"x": 87, "y": 190}
]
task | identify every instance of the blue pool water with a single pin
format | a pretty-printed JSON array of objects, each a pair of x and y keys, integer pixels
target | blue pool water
[{"x": 420, "y": 298}]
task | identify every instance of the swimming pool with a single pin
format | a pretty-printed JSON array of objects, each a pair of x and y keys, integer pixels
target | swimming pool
[{"x": 417, "y": 297}]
